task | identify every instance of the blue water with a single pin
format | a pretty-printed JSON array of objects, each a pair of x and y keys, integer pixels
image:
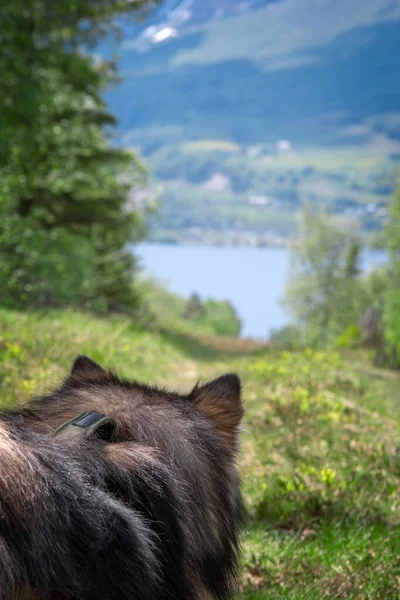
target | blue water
[{"x": 253, "y": 279}]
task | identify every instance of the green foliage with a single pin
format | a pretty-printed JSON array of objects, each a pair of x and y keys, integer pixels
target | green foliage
[
  {"x": 42, "y": 268},
  {"x": 192, "y": 209},
  {"x": 350, "y": 337},
  {"x": 194, "y": 309},
  {"x": 323, "y": 479},
  {"x": 375, "y": 286},
  {"x": 66, "y": 218},
  {"x": 218, "y": 317},
  {"x": 198, "y": 164},
  {"x": 221, "y": 317},
  {"x": 160, "y": 308},
  {"x": 324, "y": 292},
  {"x": 193, "y": 213},
  {"x": 392, "y": 295},
  {"x": 331, "y": 303},
  {"x": 288, "y": 337}
]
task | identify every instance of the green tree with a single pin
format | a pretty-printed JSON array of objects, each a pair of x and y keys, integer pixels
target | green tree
[
  {"x": 391, "y": 313},
  {"x": 217, "y": 316},
  {"x": 194, "y": 309},
  {"x": 64, "y": 188},
  {"x": 324, "y": 289},
  {"x": 222, "y": 318}
]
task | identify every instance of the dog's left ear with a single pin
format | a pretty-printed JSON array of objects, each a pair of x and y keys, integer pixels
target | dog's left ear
[
  {"x": 221, "y": 401},
  {"x": 85, "y": 369}
]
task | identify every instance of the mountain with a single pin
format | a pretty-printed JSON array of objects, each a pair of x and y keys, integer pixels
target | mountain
[
  {"x": 188, "y": 14},
  {"x": 247, "y": 109},
  {"x": 309, "y": 70}
]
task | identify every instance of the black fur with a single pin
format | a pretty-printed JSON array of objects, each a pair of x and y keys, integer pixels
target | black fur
[{"x": 154, "y": 516}]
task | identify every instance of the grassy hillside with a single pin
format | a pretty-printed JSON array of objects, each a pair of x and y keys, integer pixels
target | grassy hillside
[
  {"x": 320, "y": 453},
  {"x": 219, "y": 192}
]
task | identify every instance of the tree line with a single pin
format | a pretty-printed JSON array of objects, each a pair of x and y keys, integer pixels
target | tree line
[{"x": 331, "y": 300}]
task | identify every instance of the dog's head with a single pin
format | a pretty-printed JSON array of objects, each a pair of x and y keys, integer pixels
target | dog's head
[
  {"x": 143, "y": 413},
  {"x": 169, "y": 458}
]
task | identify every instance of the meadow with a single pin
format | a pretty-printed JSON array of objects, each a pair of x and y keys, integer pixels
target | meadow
[{"x": 320, "y": 457}]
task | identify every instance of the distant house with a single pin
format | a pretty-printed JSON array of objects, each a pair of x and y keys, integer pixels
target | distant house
[
  {"x": 382, "y": 212},
  {"x": 260, "y": 201},
  {"x": 218, "y": 183},
  {"x": 284, "y": 146}
]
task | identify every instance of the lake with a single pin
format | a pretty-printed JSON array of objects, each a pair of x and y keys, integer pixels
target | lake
[{"x": 253, "y": 279}]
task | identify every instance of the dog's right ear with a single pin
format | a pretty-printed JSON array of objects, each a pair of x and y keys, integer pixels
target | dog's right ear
[
  {"x": 85, "y": 369},
  {"x": 220, "y": 400}
]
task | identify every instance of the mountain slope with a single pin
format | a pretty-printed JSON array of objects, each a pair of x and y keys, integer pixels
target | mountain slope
[
  {"x": 302, "y": 69},
  {"x": 319, "y": 79},
  {"x": 285, "y": 33}
]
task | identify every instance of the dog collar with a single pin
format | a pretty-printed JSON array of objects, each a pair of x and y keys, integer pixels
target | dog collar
[{"x": 91, "y": 424}]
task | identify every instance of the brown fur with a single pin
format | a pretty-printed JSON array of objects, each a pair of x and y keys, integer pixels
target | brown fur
[{"x": 170, "y": 477}]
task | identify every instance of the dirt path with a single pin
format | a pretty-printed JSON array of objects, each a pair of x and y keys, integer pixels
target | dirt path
[{"x": 232, "y": 344}]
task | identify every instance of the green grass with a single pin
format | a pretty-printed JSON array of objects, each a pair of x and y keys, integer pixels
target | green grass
[
  {"x": 323, "y": 481},
  {"x": 320, "y": 455}
]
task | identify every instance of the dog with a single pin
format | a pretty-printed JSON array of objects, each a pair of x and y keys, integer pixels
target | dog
[{"x": 111, "y": 489}]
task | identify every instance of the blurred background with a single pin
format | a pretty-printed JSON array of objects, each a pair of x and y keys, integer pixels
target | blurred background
[
  {"x": 215, "y": 133},
  {"x": 192, "y": 186}
]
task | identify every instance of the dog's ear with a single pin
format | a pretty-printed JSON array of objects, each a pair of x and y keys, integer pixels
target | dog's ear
[
  {"x": 85, "y": 369},
  {"x": 221, "y": 401}
]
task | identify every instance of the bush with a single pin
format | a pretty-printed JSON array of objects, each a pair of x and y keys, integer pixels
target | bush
[
  {"x": 288, "y": 337},
  {"x": 222, "y": 318}
]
